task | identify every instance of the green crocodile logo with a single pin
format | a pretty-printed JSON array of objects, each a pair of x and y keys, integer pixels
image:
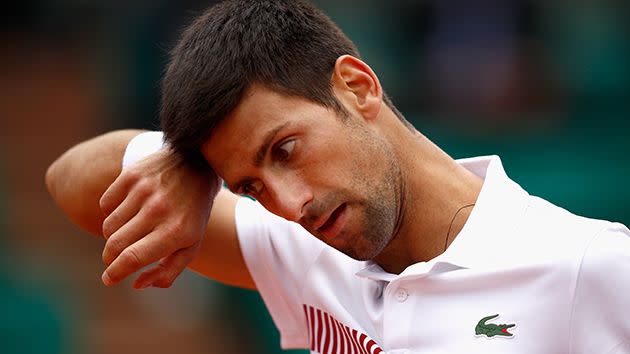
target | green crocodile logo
[{"x": 491, "y": 329}]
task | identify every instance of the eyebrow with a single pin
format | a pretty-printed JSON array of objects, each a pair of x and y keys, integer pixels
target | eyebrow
[{"x": 262, "y": 151}]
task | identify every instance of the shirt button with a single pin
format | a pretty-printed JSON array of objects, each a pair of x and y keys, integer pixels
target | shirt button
[{"x": 402, "y": 295}]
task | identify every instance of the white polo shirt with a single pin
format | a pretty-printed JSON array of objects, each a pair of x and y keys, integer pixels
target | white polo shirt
[{"x": 562, "y": 280}]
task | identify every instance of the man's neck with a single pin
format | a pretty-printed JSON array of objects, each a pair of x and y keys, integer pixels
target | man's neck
[{"x": 436, "y": 189}]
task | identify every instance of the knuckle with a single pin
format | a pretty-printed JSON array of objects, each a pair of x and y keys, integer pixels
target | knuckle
[
  {"x": 164, "y": 282},
  {"x": 131, "y": 257},
  {"x": 175, "y": 231},
  {"x": 111, "y": 250},
  {"x": 115, "y": 275},
  {"x": 105, "y": 257},
  {"x": 174, "y": 274},
  {"x": 144, "y": 188},
  {"x": 115, "y": 244},
  {"x": 156, "y": 207},
  {"x": 105, "y": 203},
  {"x": 108, "y": 257},
  {"x": 108, "y": 227},
  {"x": 131, "y": 174},
  {"x": 177, "y": 227}
]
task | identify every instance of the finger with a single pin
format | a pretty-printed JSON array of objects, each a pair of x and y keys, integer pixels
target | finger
[
  {"x": 123, "y": 213},
  {"x": 117, "y": 191},
  {"x": 135, "y": 229},
  {"x": 139, "y": 226},
  {"x": 164, "y": 273},
  {"x": 143, "y": 252}
]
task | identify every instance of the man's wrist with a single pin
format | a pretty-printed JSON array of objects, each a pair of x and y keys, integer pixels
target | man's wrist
[{"x": 141, "y": 146}]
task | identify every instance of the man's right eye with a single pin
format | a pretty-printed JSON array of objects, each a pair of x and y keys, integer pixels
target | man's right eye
[
  {"x": 283, "y": 151},
  {"x": 252, "y": 188}
]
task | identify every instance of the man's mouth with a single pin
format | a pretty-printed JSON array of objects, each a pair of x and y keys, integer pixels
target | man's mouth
[{"x": 331, "y": 227}]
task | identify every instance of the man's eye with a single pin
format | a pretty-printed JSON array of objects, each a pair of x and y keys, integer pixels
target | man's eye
[
  {"x": 284, "y": 150},
  {"x": 252, "y": 188}
]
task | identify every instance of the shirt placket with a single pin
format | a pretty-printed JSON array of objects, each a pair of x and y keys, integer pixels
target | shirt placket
[{"x": 400, "y": 299}]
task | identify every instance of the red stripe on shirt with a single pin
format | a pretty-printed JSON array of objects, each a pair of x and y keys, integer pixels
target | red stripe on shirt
[
  {"x": 362, "y": 343},
  {"x": 369, "y": 345},
  {"x": 355, "y": 337},
  {"x": 342, "y": 342},
  {"x": 308, "y": 325},
  {"x": 349, "y": 340},
  {"x": 320, "y": 330},
  {"x": 353, "y": 343},
  {"x": 312, "y": 317},
  {"x": 326, "y": 334},
  {"x": 333, "y": 331}
]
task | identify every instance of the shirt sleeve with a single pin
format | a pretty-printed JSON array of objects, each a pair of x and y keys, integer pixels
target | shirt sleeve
[
  {"x": 141, "y": 146},
  {"x": 278, "y": 254},
  {"x": 601, "y": 308}
]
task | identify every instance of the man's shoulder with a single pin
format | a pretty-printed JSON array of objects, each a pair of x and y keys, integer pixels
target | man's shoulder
[
  {"x": 609, "y": 249},
  {"x": 549, "y": 220},
  {"x": 601, "y": 293},
  {"x": 553, "y": 234}
]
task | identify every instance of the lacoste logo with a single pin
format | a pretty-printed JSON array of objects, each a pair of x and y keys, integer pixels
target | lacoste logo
[{"x": 490, "y": 329}]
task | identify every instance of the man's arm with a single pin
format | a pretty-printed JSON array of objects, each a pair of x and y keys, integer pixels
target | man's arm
[
  {"x": 155, "y": 210},
  {"x": 78, "y": 178}
]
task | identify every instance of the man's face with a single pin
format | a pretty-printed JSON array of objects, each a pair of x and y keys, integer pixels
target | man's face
[{"x": 336, "y": 177}]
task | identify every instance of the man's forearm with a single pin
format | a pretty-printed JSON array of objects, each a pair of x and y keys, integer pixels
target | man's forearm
[
  {"x": 78, "y": 178},
  {"x": 144, "y": 213}
]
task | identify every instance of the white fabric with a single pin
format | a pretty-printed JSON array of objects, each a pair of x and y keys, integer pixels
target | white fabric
[
  {"x": 141, "y": 146},
  {"x": 270, "y": 235},
  {"x": 563, "y": 280}
]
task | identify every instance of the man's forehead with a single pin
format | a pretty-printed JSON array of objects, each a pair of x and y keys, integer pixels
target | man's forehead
[
  {"x": 259, "y": 110},
  {"x": 262, "y": 113},
  {"x": 234, "y": 143}
]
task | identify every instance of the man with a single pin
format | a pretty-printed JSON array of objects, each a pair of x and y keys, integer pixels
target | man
[{"x": 275, "y": 99}]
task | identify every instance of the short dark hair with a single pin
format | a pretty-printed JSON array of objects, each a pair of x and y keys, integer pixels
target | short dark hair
[{"x": 287, "y": 45}]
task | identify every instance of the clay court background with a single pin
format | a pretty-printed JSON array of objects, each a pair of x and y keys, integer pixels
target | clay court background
[{"x": 544, "y": 84}]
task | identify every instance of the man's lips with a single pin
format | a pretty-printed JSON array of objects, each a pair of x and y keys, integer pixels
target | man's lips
[{"x": 327, "y": 224}]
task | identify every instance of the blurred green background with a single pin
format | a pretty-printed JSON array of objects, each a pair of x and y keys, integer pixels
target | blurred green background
[{"x": 543, "y": 84}]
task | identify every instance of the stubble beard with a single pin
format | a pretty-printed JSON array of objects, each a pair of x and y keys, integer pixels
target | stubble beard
[
  {"x": 379, "y": 208},
  {"x": 377, "y": 228}
]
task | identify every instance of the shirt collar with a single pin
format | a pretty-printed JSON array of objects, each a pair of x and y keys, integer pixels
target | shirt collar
[{"x": 495, "y": 215}]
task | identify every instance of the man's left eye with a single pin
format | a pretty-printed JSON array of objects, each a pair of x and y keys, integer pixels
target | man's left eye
[{"x": 283, "y": 151}]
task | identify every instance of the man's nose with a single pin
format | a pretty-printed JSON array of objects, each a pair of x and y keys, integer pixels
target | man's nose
[{"x": 288, "y": 197}]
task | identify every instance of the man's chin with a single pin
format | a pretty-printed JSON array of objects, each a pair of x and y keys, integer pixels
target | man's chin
[
  {"x": 360, "y": 253},
  {"x": 353, "y": 246}
]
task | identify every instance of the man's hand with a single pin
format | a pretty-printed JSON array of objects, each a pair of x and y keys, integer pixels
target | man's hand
[{"x": 156, "y": 210}]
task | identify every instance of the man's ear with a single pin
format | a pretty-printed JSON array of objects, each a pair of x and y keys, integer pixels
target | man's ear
[{"x": 357, "y": 85}]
